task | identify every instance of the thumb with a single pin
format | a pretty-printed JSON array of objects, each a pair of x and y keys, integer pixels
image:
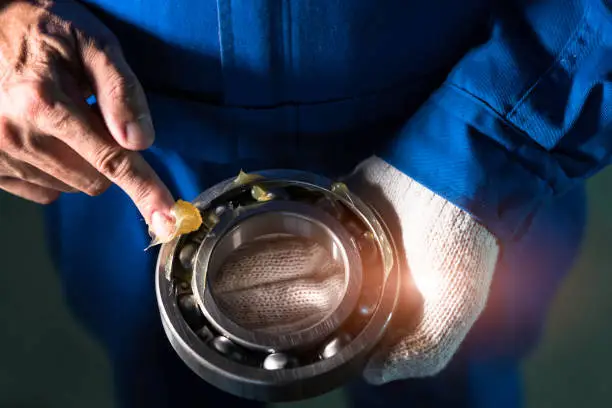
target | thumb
[{"x": 120, "y": 96}]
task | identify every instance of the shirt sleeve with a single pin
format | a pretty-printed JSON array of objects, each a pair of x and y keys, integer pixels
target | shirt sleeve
[{"x": 522, "y": 118}]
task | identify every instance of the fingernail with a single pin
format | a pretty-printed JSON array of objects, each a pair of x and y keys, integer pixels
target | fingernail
[
  {"x": 162, "y": 225},
  {"x": 141, "y": 134}
]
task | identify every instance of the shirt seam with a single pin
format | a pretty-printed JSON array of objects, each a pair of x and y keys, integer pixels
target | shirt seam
[
  {"x": 485, "y": 105},
  {"x": 554, "y": 65}
]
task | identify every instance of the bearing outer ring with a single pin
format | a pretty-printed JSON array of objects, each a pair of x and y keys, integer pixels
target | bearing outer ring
[{"x": 292, "y": 383}]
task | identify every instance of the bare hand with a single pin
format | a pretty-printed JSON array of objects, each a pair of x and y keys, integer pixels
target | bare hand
[{"x": 53, "y": 55}]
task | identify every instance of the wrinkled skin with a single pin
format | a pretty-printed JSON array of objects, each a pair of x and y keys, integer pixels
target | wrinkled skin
[{"x": 53, "y": 55}]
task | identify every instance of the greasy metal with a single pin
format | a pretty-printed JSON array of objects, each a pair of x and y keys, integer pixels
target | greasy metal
[{"x": 273, "y": 365}]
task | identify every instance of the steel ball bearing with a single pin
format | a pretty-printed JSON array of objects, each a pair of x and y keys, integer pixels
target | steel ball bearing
[{"x": 278, "y": 365}]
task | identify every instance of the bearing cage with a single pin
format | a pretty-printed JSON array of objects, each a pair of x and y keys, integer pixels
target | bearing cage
[{"x": 300, "y": 369}]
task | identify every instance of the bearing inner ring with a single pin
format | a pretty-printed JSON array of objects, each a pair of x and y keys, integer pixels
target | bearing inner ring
[{"x": 276, "y": 218}]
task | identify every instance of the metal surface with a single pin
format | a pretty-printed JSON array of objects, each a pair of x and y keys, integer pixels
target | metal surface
[
  {"x": 289, "y": 218},
  {"x": 274, "y": 365},
  {"x": 334, "y": 346},
  {"x": 276, "y": 361}
]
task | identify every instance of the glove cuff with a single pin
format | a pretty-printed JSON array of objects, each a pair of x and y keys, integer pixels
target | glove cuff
[{"x": 410, "y": 201}]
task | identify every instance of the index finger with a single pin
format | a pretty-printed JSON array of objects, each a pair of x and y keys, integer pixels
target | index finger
[{"x": 78, "y": 127}]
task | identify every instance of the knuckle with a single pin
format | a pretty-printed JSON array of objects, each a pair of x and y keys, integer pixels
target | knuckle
[
  {"x": 121, "y": 88},
  {"x": 48, "y": 197},
  {"x": 35, "y": 102},
  {"x": 114, "y": 163},
  {"x": 97, "y": 187},
  {"x": 110, "y": 49},
  {"x": 20, "y": 172},
  {"x": 144, "y": 192},
  {"x": 101, "y": 46},
  {"x": 42, "y": 105},
  {"x": 57, "y": 119},
  {"x": 10, "y": 139},
  {"x": 35, "y": 145},
  {"x": 15, "y": 169}
]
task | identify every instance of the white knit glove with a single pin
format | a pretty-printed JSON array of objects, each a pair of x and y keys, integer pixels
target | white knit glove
[
  {"x": 448, "y": 264},
  {"x": 450, "y": 258}
]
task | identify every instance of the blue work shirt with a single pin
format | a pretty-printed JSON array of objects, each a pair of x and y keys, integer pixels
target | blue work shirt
[
  {"x": 522, "y": 117},
  {"x": 504, "y": 108}
]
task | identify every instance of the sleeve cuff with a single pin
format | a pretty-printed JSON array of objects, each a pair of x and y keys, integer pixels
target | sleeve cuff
[{"x": 460, "y": 149}]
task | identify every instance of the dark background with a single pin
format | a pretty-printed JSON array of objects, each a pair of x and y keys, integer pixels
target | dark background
[{"x": 47, "y": 361}]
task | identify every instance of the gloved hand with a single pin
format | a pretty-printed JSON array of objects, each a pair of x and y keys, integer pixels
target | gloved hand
[{"x": 448, "y": 263}]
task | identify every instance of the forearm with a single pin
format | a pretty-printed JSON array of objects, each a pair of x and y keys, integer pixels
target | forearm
[{"x": 521, "y": 119}]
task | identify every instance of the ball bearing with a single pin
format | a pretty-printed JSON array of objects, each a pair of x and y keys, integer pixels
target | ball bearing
[{"x": 278, "y": 365}]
